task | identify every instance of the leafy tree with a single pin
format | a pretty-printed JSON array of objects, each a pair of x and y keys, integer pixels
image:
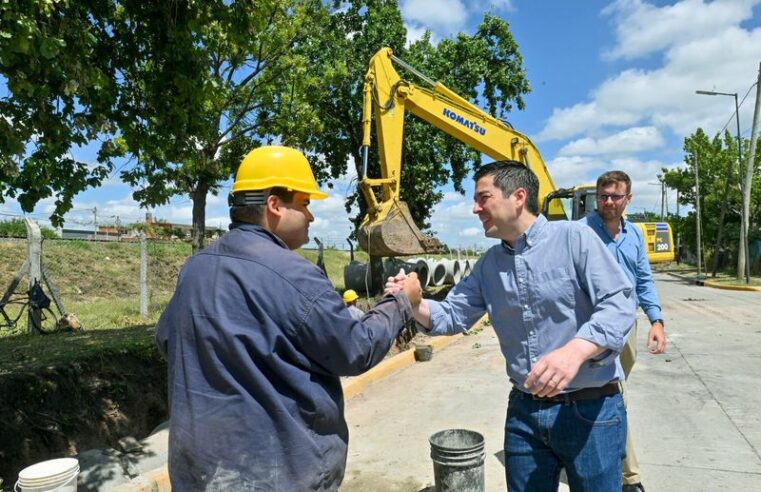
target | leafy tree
[
  {"x": 486, "y": 63},
  {"x": 202, "y": 84},
  {"x": 714, "y": 157},
  {"x": 54, "y": 60},
  {"x": 17, "y": 228}
]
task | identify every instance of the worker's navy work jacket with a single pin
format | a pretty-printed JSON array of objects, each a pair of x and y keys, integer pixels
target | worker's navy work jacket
[{"x": 256, "y": 338}]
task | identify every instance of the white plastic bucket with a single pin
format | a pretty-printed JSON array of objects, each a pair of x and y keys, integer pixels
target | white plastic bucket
[{"x": 59, "y": 475}]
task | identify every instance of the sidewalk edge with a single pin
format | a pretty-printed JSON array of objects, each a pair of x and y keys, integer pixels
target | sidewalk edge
[{"x": 715, "y": 285}]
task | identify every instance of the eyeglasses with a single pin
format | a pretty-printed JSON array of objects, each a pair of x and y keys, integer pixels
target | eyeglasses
[{"x": 616, "y": 198}]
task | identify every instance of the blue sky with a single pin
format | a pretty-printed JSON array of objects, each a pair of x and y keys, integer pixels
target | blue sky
[{"x": 613, "y": 87}]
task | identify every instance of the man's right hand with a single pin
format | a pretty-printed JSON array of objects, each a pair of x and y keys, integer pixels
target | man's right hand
[
  {"x": 394, "y": 284},
  {"x": 412, "y": 289}
]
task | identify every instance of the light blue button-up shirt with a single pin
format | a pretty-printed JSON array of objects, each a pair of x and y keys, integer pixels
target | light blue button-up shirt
[
  {"x": 558, "y": 283},
  {"x": 629, "y": 251}
]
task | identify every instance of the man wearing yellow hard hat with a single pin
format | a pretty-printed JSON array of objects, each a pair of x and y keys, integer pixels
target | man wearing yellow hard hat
[
  {"x": 350, "y": 299},
  {"x": 256, "y": 339}
]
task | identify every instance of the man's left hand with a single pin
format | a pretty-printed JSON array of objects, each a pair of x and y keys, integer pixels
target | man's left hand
[{"x": 656, "y": 339}]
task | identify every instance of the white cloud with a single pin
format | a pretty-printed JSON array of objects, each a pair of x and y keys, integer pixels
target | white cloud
[
  {"x": 635, "y": 139},
  {"x": 471, "y": 232},
  {"x": 571, "y": 171},
  {"x": 581, "y": 117},
  {"x": 642, "y": 28},
  {"x": 415, "y": 33},
  {"x": 443, "y": 16},
  {"x": 664, "y": 96}
]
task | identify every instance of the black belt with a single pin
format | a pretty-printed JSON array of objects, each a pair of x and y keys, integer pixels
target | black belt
[{"x": 609, "y": 389}]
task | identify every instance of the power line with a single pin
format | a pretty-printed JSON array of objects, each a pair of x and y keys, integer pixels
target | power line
[{"x": 732, "y": 117}]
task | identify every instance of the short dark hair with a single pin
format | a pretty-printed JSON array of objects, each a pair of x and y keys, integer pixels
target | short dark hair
[
  {"x": 614, "y": 177},
  {"x": 510, "y": 175},
  {"x": 252, "y": 214}
]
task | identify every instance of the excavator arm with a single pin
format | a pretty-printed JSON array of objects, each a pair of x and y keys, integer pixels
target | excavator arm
[{"x": 388, "y": 228}]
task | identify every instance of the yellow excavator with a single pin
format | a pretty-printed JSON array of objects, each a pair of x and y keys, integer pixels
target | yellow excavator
[{"x": 388, "y": 228}]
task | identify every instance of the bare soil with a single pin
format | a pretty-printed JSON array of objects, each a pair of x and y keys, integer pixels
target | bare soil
[{"x": 56, "y": 405}]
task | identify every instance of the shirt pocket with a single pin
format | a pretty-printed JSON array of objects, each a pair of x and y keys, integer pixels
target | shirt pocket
[{"x": 556, "y": 291}]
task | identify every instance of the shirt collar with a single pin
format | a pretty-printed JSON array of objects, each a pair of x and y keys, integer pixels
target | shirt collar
[
  {"x": 598, "y": 222},
  {"x": 259, "y": 230},
  {"x": 529, "y": 237}
]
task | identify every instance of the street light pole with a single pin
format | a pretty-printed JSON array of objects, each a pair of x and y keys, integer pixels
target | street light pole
[{"x": 742, "y": 254}]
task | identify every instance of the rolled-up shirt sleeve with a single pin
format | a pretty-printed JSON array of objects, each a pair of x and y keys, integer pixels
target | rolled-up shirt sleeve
[
  {"x": 646, "y": 293},
  {"x": 610, "y": 292},
  {"x": 463, "y": 306}
]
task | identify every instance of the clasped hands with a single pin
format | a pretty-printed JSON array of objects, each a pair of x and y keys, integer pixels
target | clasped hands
[{"x": 407, "y": 283}]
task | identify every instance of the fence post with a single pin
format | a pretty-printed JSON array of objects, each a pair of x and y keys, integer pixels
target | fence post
[
  {"x": 34, "y": 256},
  {"x": 143, "y": 276}
]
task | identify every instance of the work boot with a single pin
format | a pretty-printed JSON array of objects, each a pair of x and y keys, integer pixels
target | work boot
[{"x": 633, "y": 487}]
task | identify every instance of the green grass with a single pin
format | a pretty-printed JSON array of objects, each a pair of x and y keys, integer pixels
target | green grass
[
  {"x": 731, "y": 280},
  {"x": 99, "y": 281}
]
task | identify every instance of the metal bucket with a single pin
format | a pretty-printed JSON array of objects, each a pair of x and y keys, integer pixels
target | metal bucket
[{"x": 458, "y": 460}]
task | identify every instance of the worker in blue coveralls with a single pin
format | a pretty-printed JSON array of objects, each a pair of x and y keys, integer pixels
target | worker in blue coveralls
[
  {"x": 256, "y": 338},
  {"x": 625, "y": 242},
  {"x": 561, "y": 308}
]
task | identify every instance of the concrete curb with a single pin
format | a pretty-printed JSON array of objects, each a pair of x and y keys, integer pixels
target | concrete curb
[
  {"x": 355, "y": 385},
  {"x": 716, "y": 285},
  {"x": 157, "y": 480}
]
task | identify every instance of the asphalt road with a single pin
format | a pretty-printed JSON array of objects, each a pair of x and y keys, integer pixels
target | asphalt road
[{"x": 695, "y": 411}]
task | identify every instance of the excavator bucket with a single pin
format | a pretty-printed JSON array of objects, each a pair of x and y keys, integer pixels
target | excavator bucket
[{"x": 394, "y": 234}]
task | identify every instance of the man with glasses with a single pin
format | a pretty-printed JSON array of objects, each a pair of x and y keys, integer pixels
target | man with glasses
[{"x": 626, "y": 244}]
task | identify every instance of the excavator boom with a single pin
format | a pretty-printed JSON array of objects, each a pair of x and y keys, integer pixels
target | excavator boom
[{"x": 388, "y": 228}]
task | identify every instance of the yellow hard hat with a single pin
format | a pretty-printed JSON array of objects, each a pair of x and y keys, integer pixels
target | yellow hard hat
[
  {"x": 270, "y": 166},
  {"x": 350, "y": 295}
]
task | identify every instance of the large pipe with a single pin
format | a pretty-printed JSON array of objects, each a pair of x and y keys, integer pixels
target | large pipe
[
  {"x": 420, "y": 266},
  {"x": 354, "y": 276},
  {"x": 438, "y": 272},
  {"x": 464, "y": 267},
  {"x": 453, "y": 273}
]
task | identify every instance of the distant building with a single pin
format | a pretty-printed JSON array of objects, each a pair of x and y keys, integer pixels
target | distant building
[{"x": 87, "y": 234}]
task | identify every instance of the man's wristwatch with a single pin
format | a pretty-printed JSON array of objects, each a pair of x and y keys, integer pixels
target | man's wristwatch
[{"x": 658, "y": 321}]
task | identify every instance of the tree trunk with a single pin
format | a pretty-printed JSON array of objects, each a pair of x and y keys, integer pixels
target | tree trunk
[{"x": 199, "y": 215}]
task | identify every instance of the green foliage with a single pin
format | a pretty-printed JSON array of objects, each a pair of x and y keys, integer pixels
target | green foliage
[
  {"x": 186, "y": 89},
  {"x": 716, "y": 158},
  {"x": 204, "y": 83},
  {"x": 486, "y": 64},
  {"x": 17, "y": 228},
  {"x": 54, "y": 57}
]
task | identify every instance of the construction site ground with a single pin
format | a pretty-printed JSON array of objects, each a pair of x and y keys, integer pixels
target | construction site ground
[{"x": 694, "y": 411}]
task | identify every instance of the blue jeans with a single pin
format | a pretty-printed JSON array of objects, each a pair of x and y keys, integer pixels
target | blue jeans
[{"x": 586, "y": 437}]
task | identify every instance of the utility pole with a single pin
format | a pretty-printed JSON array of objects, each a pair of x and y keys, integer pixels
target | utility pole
[
  {"x": 697, "y": 212},
  {"x": 95, "y": 220},
  {"x": 724, "y": 205},
  {"x": 750, "y": 169}
]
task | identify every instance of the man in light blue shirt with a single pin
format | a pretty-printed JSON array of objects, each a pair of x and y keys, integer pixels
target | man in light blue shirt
[
  {"x": 561, "y": 309},
  {"x": 625, "y": 242}
]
